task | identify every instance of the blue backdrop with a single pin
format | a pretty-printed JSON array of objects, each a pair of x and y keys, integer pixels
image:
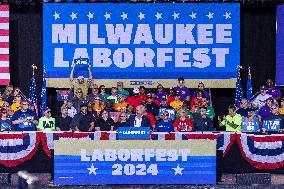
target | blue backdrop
[
  {"x": 146, "y": 41},
  {"x": 280, "y": 46}
]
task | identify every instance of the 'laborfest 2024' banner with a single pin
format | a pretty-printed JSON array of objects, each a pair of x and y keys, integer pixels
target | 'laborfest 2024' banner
[
  {"x": 142, "y": 43},
  {"x": 135, "y": 162}
]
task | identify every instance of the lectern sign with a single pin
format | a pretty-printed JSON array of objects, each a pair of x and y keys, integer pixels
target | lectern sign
[{"x": 135, "y": 162}]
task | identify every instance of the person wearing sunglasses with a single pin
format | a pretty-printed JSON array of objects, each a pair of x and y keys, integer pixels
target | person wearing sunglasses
[
  {"x": 95, "y": 93},
  {"x": 232, "y": 122},
  {"x": 121, "y": 105},
  {"x": 122, "y": 121},
  {"x": 105, "y": 122},
  {"x": 24, "y": 119},
  {"x": 97, "y": 106},
  {"x": 102, "y": 91},
  {"x": 5, "y": 123},
  {"x": 120, "y": 89},
  {"x": 164, "y": 125},
  {"x": 78, "y": 100},
  {"x": 276, "y": 115},
  {"x": 16, "y": 103},
  {"x": 183, "y": 124},
  {"x": 46, "y": 123}
]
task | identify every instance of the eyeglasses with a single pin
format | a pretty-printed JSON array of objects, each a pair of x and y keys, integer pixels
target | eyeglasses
[
  {"x": 166, "y": 114},
  {"x": 182, "y": 112},
  {"x": 149, "y": 97},
  {"x": 4, "y": 112},
  {"x": 200, "y": 85},
  {"x": 273, "y": 108},
  {"x": 160, "y": 87},
  {"x": 97, "y": 99},
  {"x": 22, "y": 104},
  {"x": 122, "y": 116},
  {"x": 48, "y": 112}
]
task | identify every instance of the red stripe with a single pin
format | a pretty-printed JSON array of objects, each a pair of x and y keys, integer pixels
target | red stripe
[
  {"x": 4, "y": 81},
  {"x": 4, "y": 57},
  {"x": 4, "y": 32},
  {"x": 13, "y": 136},
  {"x": 104, "y": 136},
  {"x": 4, "y": 19},
  {"x": 170, "y": 136},
  {"x": 4, "y": 8},
  {"x": 4, "y": 70},
  {"x": 267, "y": 138},
  {"x": 4, "y": 44}
]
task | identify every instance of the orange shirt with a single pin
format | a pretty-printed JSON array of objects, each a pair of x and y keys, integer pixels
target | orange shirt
[
  {"x": 97, "y": 108},
  {"x": 120, "y": 106}
]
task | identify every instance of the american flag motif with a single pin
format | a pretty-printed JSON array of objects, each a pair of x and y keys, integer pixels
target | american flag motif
[
  {"x": 32, "y": 94},
  {"x": 4, "y": 45},
  {"x": 239, "y": 89}
]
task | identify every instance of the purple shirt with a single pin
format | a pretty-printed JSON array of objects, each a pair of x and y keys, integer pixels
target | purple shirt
[
  {"x": 182, "y": 91},
  {"x": 161, "y": 95},
  {"x": 206, "y": 94},
  {"x": 274, "y": 92},
  {"x": 265, "y": 112}
]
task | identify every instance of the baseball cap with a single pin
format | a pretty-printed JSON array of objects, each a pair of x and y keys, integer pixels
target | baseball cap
[
  {"x": 80, "y": 77},
  {"x": 47, "y": 109},
  {"x": 262, "y": 87},
  {"x": 176, "y": 94},
  {"x": 135, "y": 91},
  {"x": 270, "y": 98}
]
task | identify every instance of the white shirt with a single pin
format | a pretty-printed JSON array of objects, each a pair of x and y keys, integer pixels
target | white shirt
[
  {"x": 137, "y": 122},
  {"x": 259, "y": 101},
  {"x": 72, "y": 111}
]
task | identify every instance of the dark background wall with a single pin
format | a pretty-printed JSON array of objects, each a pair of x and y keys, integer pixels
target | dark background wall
[{"x": 257, "y": 49}]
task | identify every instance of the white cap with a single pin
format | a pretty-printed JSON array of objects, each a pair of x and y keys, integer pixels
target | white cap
[
  {"x": 135, "y": 90},
  {"x": 80, "y": 77}
]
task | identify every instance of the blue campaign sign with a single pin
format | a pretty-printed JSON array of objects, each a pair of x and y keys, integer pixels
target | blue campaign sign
[
  {"x": 134, "y": 162},
  {"x": 272, "y": 125},
  {"x": 146, "y": 41},
  {"x": 250, "y": 126},
  {"x": 133, "y": 133}
]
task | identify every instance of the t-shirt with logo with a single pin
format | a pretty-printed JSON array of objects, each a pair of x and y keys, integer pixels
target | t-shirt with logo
[
  {"x": 183, "y": 125},
  {"x": 162, "y": 126},
  {"x": 169, "y": 109},
  {"x": 46, "y": 124},
  {"x": 5, "y": 125},
  {"x": 25, "y": 126}
]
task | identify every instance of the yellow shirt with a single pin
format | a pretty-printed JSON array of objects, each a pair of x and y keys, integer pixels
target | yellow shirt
[
  {"x": 281, "y": 110},
  {"x": 176, "y": 104},
  {"x": 1, "y": 103},
  {"x": 237, "y": 120},
  {"x": 15, "y": 106}
]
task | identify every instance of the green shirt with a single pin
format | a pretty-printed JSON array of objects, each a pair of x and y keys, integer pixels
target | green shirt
[
  {"x": 209, "y": 113},
  {"x": 237, "y": 120},
  {"x": 46, "y": 124},
  {"x": 189, "y": 114},
  {"x": 123, "y": 92}
]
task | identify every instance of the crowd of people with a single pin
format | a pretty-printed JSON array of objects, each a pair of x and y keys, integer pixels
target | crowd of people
[{"x": 180, "y": 110}]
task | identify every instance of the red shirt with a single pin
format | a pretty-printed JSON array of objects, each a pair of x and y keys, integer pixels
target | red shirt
[
  {"x": 170, "y": 99},
  {"x": 152, "y": 119},
  {"x": 183, "y": 125},
  {"x": 194, "y": 100},
  {"x": 135, "y": 101}
]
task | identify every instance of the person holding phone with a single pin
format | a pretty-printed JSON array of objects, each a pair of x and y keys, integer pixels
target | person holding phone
[{"x": 232, "y": 122}]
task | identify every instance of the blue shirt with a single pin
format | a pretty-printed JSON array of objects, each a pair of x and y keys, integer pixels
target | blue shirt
[
  {"x": 162, "y": 126},
  {"x": 25, "y": 126},
  {"x": 169, "y": 109}
]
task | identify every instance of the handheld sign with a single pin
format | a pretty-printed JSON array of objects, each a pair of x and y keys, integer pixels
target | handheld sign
[
  {"x": 133, "y": 133},
  {"x": 271, "y": 125},
  {"x": 250, "y": 126}
]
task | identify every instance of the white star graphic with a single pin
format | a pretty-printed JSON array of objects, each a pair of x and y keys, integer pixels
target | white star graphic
[
  {"x": 141, "y": 16},
  {"x": 123, "y": 16},
  {"x": 178, "y": 170},
  {"x": 90, "y": 15},
  {"x": 73, "y": 15},
  {"x": 158, "y": 16},
  {"x": 107, "y": 15},
  {"x": 56, "y": 16},
  {"x": 210, "y": 15},
  {"x": 227, "y": 15},
  {"x": 92, "y": 169},
  {"x": 193, "y": 15},
  {"x": 175, "y": 15}
]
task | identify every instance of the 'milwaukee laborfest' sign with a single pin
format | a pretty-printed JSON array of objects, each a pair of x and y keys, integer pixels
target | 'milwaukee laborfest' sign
[
  {"x": 135, "y": 162},
  {"x": 155, "y": 42}
]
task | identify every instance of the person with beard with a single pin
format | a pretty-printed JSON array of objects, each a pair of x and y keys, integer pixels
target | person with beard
[
  {"x": 273, "y": 90},
  {"x": 201, "y": 121},
  {"x": 232, "y": 121},
  {"x": 201, "y": 87},
  {"x": 63, "y": 121},
  {"x": 83, "y": 121}
]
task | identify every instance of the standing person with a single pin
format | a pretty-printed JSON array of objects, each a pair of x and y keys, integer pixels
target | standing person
[
  {"x": 83, "y": 121},
  {"x": 102, "y": 91},
  {"x": 181, "y": 89},
  {"x": 259, "y": 101},
  {"x": 5, "y": 123},
  {"x": 63, "y": 122},
  {"x": 24, "y": 119},
  {"x": 183, "y": 124},
  {"x": 113, "y": 95},
  {"x": 232, "y": 122},
  {"x": 265, "y": 111},
  {"x": 201, "y": 121},
  {"x": 273, "y": 90},
  {"x": 122, "y": 121},
  {"x": 46, "y": 123},
  {"x": 139, "y": 120},
  {"x": 120, "y": 89},
  {"x": 281, "y": 109},
  {"x": 105, "y": 123},
  {"x": 164, "y": 125},
  {"x": 160, "y": 94},
  {"x": 95, "y": 93},
  {"x": 80, "y": 82},
  {"x": 201, "y": 87}
]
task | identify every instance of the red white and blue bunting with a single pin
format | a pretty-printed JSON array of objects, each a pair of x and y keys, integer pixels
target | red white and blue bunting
[{"x": 261, "y": 151}]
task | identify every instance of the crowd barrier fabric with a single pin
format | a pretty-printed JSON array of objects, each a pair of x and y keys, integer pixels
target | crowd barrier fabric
[
  {"x": 135, "y": 162},
  {"x": 265, "y": 152},
  {"x": 280, "y": 46},
  {"x": 152, "y": 43}
]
